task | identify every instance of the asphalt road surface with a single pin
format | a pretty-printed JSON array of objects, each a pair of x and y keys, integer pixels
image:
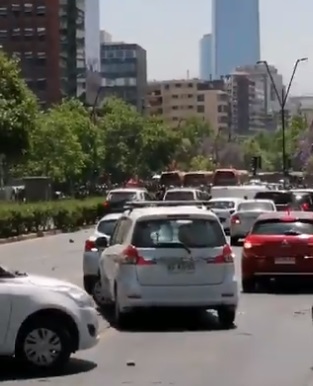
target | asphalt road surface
[{"x": 272, "y": 344}]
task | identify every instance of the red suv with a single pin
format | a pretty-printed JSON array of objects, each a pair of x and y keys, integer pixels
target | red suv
[{"x": 280, "y": 244}]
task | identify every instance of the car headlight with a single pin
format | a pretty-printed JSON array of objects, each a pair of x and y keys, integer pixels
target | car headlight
[{"x": 80, "y": 297}]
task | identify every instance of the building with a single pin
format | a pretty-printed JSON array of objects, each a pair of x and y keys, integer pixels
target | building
[
  {"x": 205, "y": 57},
  {"x": 48, "y": 38},
  {"x": 105, "y": 37},
  {"x": 235, "y": 35},
  {"x": 124, "y": 73},
  {"x": 92, "y": 35},
  {"x": 303, "y": 105},
  {"x": 177, "y": 100},
  {"x": 247, "y": 104}
]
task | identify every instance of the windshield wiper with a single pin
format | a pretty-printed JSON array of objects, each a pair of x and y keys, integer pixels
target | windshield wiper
[
  {"x": 174, "y": 244},
  {"x": 292, "y": 233}
]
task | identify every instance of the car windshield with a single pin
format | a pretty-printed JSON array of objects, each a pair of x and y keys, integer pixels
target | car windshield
[
  {"x": 246, "y": 206},
  {"x": 221, "y": 204},
  {"x": 175, "y": 232},
  {"x": 278, "y": 227},
  {"x": 121, "y": 196},
  {"x": 106, "y": 227},
  {"x": 179, "y": 195}
]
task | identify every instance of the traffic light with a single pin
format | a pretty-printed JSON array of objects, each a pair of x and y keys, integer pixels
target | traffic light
[{"x": 256, "y": 163}]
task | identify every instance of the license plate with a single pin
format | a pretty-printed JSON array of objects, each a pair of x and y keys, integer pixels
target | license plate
[
  {"x": 184, "y": 266},
  {"x": 285, "y": 260}
]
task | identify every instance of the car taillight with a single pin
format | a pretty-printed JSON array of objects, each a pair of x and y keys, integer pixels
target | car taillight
[
  {"x": 89, "y": 245},
  {"x": 106, "y": 204},
  {"x": 305, "y": 206},
  {"x": 225, "y": 257},
  {"x": 132, "y": 256},
  {"x": 235, "y": 220}
]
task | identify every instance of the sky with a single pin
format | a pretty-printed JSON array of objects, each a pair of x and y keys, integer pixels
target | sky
[{"x": 170, "y": 31}]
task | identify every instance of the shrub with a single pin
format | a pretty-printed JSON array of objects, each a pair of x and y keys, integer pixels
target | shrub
[{"x": 68, "y": 215}]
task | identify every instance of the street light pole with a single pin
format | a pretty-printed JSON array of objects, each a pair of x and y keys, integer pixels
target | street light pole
[{"x": 282, "y": 100}]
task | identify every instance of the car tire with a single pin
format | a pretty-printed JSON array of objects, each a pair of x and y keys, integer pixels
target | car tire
[
  {"x": 121, "y": 318},
  {"x": 58, "y": 348},
  {"x": 226, "y": 316},
  {"x": 97, "y": 294},
  {"x": 234, "y": 241},
  {"x": 248, "y": 285}
]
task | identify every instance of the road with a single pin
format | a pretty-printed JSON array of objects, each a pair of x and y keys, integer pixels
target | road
[{"x": 271, "y": 345}]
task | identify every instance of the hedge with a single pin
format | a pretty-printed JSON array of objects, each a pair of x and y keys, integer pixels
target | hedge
[{"x": 68, "y": 215}]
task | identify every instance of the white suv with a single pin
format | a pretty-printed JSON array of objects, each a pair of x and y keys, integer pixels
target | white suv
[
  {"x": 169, "y": 256},
  {"x": 43, "y": 320}
]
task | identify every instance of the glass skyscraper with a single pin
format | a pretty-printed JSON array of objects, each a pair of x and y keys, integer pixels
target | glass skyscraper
[
  {"x": 236, "y": 35},
  {"x": 206, "y": 57}
]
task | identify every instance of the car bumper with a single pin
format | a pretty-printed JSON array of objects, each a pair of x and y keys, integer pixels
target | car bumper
[
  {"x": 88, "y": 327},
  {"x": 91, "y": 263},
  {"x": 206, "y": 296}
]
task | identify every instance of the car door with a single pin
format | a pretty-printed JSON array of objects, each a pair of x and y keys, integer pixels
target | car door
[{"x": 6, "y": 308}]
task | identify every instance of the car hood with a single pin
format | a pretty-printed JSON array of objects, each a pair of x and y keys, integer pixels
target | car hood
[{"x": 45, "y": 282}]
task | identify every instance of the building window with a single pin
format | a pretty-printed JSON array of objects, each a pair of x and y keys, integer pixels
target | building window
[
  {"x": 3, "y": 33},
  {"x": 3, "y": 11},
  {"x": 189, "y": 96},
  {"x": 200, "y": 109},
  {"x": 174, "y": 107},
  {"x": 28, "y": 8},
  {"x": 41, "y": 58},
  {"x": 190, "y": 85},
  {"x": 41, "y": 10},
  {"x": 41, "y": 84},
  {"x": 16, "y": 32},
  {"x": 178, "y": 85},
  {"x": 130, "y": 54},
  {"x": 16, "y": 9},
  {"x": 167, "y": 87},
  {"x": 41, "y": 33},
  {"x": 29, "y": 32},
  {"x": 200, "y": 98},
  {"x": 174, "y": 96}
]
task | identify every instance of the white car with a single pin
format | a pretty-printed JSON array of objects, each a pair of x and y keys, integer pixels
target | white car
[
  {"x": 247, "y": 212},
  {"x": 125, "y": 194},
  {"x": 185, "y": 194},
  {"x": 44, "y": 320},
  {"x": 169, "y": 256},
  {"x": 224, "y": 208},
  {"x": 91, "y": 256}
]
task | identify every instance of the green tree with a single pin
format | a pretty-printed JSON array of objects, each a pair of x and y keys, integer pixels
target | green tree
[
  {"x": 201, "y": 162},
  {"x": 18, "y": 110}
]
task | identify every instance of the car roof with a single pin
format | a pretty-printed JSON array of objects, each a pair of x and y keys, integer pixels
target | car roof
[
  {"x": 137, "y": 213},
  {"x": 181, "y": 190},
  {"x": 126, "y": 190},
  {"x": 257, "y": 200},
  {"x": 111, "y": 216},
  {"x": 283, "y": 215},
  {"x": 226, "y": 199}
]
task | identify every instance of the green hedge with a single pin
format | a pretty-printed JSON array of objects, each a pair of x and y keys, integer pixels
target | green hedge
[{"x": 18, "y": 219}]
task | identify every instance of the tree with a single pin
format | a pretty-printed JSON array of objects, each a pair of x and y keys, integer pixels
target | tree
[{"x": 18, "y": 110}]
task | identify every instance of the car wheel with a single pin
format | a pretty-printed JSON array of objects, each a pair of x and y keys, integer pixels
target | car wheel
[
  {"x": 121, "y": 318},
  {"x": 226, "y": 316},
  {"x": 99, "y": 295},
  {"x": 234, "y": 241},
  {"x": 43, "y": 345},
  {"x": 248, "y": 285}
]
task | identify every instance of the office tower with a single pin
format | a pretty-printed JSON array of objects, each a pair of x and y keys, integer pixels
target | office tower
[
  {"x": 124, "y": 72},
  {"x": 205, "y": 47},
  {"x": 48, "y": 37},
  {"x": 236, "y": 35}
]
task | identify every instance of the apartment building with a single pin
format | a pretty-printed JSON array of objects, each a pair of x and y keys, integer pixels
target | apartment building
[
  {"x": 124, "y": 73},
  {"x": 177, "y": 100},
  {"x": 48, "y": 37}
]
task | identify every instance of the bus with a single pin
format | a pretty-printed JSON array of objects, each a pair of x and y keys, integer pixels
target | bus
[
  {"x": 197, "y": 178},
  {"x": 172, "y": 178},
  {"x": 230, "y": 177}
]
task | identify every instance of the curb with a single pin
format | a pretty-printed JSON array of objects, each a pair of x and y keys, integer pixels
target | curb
[{"x": 37, "y": 235}]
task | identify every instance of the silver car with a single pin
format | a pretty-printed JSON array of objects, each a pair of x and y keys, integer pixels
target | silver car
[
  {"x": 224, "y": 208},
  {"x": 247, "y": 213}
]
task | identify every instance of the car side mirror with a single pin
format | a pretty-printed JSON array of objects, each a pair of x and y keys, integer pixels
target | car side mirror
[{"x": 101, "y": 242}]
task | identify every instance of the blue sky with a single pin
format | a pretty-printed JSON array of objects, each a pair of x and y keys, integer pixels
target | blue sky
[{"x": 170, "y": 31}]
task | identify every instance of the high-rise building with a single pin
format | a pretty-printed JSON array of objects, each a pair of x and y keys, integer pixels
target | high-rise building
[
  {"x": 205, "y": 48},
  {"x": 124, "y": 73},
  {"x": 48, "y": 37},
  {"x": 236, "y": 35},
  {"x": 92, "y": 34}
]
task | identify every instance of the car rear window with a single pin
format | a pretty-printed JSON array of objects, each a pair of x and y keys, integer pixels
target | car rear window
[
  {"x": 172, "y": 232},
  {"x": 279, "y": 198},
  {"x": 246, "y": 206},
  {"x": 278, "y": 227},
  {"x": 121, "y": 196},
  {"x": 106, "y": 227},
  {"x": 221, "y": 204},
  {"x": 179, "y": 196}
]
